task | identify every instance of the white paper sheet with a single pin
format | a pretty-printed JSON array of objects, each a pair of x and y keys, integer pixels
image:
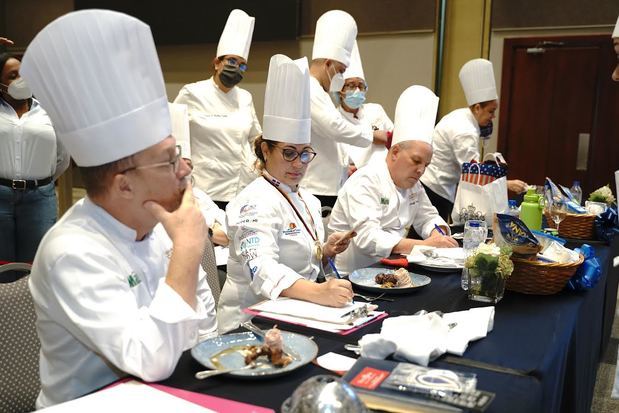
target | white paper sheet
[
  {"x": 131, "y": 396},
  {"x": 307, "y": 310}
]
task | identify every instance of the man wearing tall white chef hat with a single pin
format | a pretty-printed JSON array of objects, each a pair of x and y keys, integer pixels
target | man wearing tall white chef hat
[
  {"x": 457, "y": 136},
  {"x": 354, "y": 109},
  {"x": 223, "y": 121},
  {"x": 335, "y": 36},
  {"x": 116, "y": 282},
  {"x": 277, "y": 245},
  {"x": 382, "y": 200}
]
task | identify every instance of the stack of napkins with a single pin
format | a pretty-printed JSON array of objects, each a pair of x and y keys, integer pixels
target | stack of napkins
[
  {"x": 422, "y": 338},
  {"x": 316, "y": 316}
]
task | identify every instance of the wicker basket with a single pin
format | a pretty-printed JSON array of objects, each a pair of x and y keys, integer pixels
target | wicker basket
[
  {"x": 580, "y": 226},
  {"x": 540, "y": 278}
]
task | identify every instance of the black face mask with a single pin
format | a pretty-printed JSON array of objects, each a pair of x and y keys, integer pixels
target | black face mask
[
  {"x": 230, "y": 76},
  {"x": 485, "y": 131}
]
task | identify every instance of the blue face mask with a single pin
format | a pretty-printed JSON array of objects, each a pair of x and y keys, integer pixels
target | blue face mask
[
  {"x": 355, "y": 99},
  {"x": 485, "y": 131}
]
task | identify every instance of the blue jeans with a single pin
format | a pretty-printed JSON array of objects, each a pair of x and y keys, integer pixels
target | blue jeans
[{"x": 25, "y": 216}]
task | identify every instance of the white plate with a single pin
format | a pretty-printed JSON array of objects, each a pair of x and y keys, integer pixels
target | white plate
[
  {"x": 448, "y": 260},
  {"x": 364, "y": 278}
]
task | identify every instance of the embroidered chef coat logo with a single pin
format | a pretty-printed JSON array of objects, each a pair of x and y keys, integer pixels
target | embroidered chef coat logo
[
  {"x": 133, "y": 280},
  {"x": 292, "y": 229},
  {"x": 384, "y": 200},
  {"x": 247, "y": 210}
]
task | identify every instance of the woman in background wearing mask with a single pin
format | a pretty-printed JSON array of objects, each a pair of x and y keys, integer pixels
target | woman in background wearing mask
[
  {"x": 223, "y": 122},
  {"x": 30, "y": 160},
  {"x": 353, "y": 108},
  {"x": 457, "y": 136}
]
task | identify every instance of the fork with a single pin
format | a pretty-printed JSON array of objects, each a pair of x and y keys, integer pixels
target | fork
[
  {"x": 370, "y": 299},
  {"x": 210, "y": 373}
]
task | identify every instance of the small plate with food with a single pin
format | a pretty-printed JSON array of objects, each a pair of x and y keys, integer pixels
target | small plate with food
[
  {"x": 388, "y": 280},
  {"x": 279, "y": 353}
]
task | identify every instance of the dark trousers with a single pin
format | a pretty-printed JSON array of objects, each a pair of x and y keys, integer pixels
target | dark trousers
[
  {"x": 443, "y": 205},
  {"x": 326, "y": 200}
]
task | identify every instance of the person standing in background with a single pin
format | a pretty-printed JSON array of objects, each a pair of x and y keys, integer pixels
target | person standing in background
[
  {"x": 223, "y": 121},
  {"x": 457, "y": 136},
  {"x": 30, "y": 161},
  {"x": 352, "y": 99},
  {"x": 335, "y": 36}
]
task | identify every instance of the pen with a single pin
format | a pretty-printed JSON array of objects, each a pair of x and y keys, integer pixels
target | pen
[
  {"x": 332, "y": 265},
  {"x": 439, "y": 229}
]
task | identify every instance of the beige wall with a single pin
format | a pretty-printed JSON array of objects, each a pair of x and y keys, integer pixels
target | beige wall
[
  {"x": 391, "y": 63},
  {"x": 496, "y": 55}
]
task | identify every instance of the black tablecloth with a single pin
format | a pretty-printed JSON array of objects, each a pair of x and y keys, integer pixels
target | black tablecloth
[{"x": 554, "y": 342}]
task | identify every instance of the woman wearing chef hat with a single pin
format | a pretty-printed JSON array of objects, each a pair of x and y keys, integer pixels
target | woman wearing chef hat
[
  {"x": 223, "y": 121},
  {"x": 457, "y": 136},
  {"x": 274, "y": 225}
]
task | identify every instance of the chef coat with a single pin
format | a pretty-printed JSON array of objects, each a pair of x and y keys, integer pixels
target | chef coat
[
  {"x": 380, "y": 213},
  {"x": 455, "y": 141},
  {"x": 270, "y": 249},
  {"x": 28, "y": 148},
  {"x": 222, "y": 127},
  {"x": 375, "y": 115},
  {"x": 103, "y": 307},
  {"x": 330, "y": 134}
]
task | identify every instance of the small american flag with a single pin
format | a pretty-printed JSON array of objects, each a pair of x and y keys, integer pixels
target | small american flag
[{"x": 489, "y": 172}]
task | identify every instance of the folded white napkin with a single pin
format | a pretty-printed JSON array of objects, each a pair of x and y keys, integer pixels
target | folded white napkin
[{"x": 422, "y": 338}]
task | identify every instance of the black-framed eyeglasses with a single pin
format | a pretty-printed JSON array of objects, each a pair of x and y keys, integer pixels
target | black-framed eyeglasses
[
  {"x": 352, "y": 86},
  {"x": 174, "y": 162},
  {"x": 236, "y": 62},
  {"x": 290, "y": 155}
]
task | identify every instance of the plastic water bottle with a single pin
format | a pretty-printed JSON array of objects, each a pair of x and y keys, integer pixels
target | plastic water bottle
[
  {"x": 577, "y": 192},
  {"x": 475, "y": 232},
  {"x": 513, "y": 208}
]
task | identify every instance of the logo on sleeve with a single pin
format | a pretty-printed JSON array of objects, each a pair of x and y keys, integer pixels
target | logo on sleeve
[
  {"x": 384, "y": 200},
  {"x": 133, "y": 280}
]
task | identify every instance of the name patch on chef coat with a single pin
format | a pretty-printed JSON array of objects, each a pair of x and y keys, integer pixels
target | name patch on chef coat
[
  {"x": 292, "y": 229},
  {"x": 413, "y": 198},
  {"x": 384, "y": 200}
]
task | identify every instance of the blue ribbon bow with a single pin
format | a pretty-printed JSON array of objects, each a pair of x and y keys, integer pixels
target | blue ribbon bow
[
  {"x": 588, "y": 273},
  {"x": 606, "y": 226}
]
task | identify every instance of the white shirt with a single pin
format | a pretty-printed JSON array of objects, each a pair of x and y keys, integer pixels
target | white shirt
[
  {"x": 375, "y": 115},
  {"x": 380, "y": 213},
  {"x": 270, "y": 248},
  {"x": 222, "y": 127},
  {"x": 330, "y": 134},
  {"x": 455, "y": 141},
  {"x": 28, "y": 145},
  {"x": 211, "y": 212},
  {"x": 103, "y": 307}
]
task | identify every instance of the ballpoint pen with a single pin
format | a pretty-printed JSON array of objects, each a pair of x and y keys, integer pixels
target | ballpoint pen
[
  {"x": 439, "y": 229},
  {"x": 332, "y": 265}
]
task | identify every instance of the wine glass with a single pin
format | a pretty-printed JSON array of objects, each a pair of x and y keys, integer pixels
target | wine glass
[{"x": 558, "y": 212}]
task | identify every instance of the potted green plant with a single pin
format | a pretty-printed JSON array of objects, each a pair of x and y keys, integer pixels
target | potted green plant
[{"x": 488, "y": 267}]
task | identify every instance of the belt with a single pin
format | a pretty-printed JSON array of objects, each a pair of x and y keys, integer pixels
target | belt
[{"x": 23, "y": 184}]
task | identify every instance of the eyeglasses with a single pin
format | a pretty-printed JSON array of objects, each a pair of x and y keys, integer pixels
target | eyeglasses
[
  {"x": 352, "y": 86},
  {"x": 175, "y": 163},
  {"x": 290, "y": 155},
  {"x": 235, "y": 62}
]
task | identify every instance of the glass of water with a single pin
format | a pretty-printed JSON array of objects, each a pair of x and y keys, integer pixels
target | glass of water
[{"x": 475, "y": 232}]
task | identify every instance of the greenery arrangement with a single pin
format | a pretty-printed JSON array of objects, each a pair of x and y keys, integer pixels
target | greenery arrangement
[
  {"x": 488, "y": 267},
  {"x": 603, "y": 194}
]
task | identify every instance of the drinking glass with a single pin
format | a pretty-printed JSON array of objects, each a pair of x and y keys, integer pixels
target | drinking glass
[
  {"x": 475, "y": 232},
  {"x": 557, "y": 211}
]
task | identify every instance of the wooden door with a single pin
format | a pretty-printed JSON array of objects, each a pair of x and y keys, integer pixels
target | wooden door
[{"x": 559, "y": 113}]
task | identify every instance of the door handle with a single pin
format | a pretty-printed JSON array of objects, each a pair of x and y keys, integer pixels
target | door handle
[{"x": 582, "y": 156}]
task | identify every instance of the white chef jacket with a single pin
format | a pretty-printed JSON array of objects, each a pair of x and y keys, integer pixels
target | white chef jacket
[
  {"x": 222, "y": 127},
  {"x": 28, "y": 145},
  {"x": 455, "y": 141},
  {"x": 380, "y": 213},
  {"x": 330, "y": 134},
  {"x": 103, "y": 307},
  {"x": 211, "y": 212},
  {"x": 375, "y": 115},
  {"x": 270, "y": 249}
]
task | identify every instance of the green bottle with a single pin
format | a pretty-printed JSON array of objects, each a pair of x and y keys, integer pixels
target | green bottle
[{"x": 531, "y": 210}]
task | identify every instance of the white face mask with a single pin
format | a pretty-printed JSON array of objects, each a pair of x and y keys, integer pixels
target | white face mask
[
  {"x": 18, "y": 89},
  {"x": 337, "y": 82}
]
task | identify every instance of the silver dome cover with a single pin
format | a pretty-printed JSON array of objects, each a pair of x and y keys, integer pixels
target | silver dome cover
[{"x": 324, "y": 394}]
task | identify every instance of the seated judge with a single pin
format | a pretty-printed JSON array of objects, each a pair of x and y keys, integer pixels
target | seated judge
[
  {"x": 116, "y": 283},
  {"x": 384, "y": 198},
  {"x": 274, "y": 225}
]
